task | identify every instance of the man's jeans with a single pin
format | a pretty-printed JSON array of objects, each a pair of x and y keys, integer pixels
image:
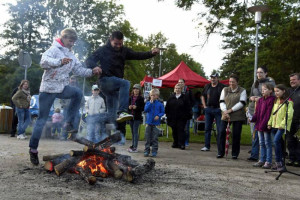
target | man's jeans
[
  {"x": 134, "y": 125},
  {"x": 277, "y": 133},
  {"x": 211, "y": 114},
  {"x": 151, "y": 136},
  {"x": 46, "y": 100},
  {"x": 265, "y": 143},
  {"x": 23, "y": 119},
  {"x": 116, "y": 91}
]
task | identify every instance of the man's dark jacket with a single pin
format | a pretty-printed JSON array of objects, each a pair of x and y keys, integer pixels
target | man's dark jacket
[{"x": 112, "y": 61}]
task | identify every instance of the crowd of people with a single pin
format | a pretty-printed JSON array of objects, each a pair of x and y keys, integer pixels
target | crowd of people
[{"x": 270, "y": 112}]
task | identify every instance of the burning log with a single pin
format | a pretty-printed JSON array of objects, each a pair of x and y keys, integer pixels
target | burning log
[
  {"x": 65, "y": 165},
  {"x": 107, "y": 142},
  {"x": 117, "y": 173},
  {"x": 51, "y": 157},
  {"x": 81, "y": 140},
  {"x": 88, "y": 150},
  {"x": 50, "y": 164},
  {"x": 127, "y": 176},
  {"x": 74, "y": 153},
  {"x": 100, "y": 174},
  {"x": 142, "y": 169},
  {"x": 84, "y": 174}
]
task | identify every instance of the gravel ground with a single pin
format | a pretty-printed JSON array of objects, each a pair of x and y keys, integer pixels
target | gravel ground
[{"x": 188, "y": 174}]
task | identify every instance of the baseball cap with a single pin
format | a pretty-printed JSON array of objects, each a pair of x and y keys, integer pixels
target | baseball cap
[
  {"x": 214, "y": 75},
  {"x": 137, "y": 86},
  {"x": 95, "y": 87}
]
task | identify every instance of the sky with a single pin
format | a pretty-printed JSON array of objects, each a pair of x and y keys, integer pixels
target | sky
[{"x": 179, "y": 26}]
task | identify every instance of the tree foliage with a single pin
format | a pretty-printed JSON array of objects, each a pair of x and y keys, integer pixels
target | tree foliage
[
  {"x": 33, "y": 25},
  {"x": 279, "y": 36}
]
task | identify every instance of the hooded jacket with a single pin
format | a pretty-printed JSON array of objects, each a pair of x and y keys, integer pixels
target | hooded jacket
[
  {"x": 256, "y": 91},
  {"x": 262, "y": 113},
  {"x": 56, "y": 76},
  {"x": 113, "y": 61},
  {"x": 278, "y": 120}
]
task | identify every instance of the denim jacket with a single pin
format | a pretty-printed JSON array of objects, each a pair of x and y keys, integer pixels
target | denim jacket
[{"x": 154, "y": 109}]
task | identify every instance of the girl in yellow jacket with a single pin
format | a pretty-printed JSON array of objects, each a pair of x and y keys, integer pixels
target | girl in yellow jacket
[{"x": 277, "y": 122}]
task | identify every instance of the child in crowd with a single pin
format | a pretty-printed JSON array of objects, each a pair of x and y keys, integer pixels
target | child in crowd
[
  {"x": 57, "y": 121},
  {"x": 95, "y": 105},
  {"x": 261, "y": 117},
  {"x": 277, "y": 122},
  {"x": 136, "y": 107},
  {"x": 155, "y": 110}
]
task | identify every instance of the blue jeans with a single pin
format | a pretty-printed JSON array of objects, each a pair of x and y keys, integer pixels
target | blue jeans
[
  {"x": 151, "y": 136},
  {"x": 96, "y": 127},
  {"x": 265, "y": 143},
  {"x": 56, "y": 127},
  {"x": 255, "y": 144},
  {"x": 116, "y": 91},
  {"x": 211, "y": 114},
  {"x": 75, "y": 123},
  {"x": 277, "y": 133},
  {"x": 23, "y": 119},
  {"x": 134, "y": 125},
  {"x": 46, "y": 100}
]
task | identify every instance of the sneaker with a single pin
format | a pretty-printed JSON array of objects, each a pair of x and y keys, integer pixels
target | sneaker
[
  {"x": 278, "y": 167},
  {"x": 124, "y": 117},
  {"x": 132, "y": 150},
  {"x": 154, "y": 154},
  {"x": 220, "y": 156},
  {"x": 234, "y": 157},
  {"x": 187, "y": 144},
  {"x": 21, "y": 137},
  {"x": 267, "y": 165},
  {"x": 34, "y": 159},
  {"x": 25, "y": 136},
  {"x": 146, "y": 154},
  {"x": 68, "y": 128},
  {"x": 205, "y": 149},
  {"x": 258, "y": 164}
]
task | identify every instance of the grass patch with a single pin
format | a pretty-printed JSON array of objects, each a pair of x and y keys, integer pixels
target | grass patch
[{"x": 194, "y": 138}]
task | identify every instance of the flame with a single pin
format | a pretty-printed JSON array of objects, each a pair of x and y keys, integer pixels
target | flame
[{"x": 95, "y": 163}]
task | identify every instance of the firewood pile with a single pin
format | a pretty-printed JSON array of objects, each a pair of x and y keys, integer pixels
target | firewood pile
[{"x": 97, "y": 160}]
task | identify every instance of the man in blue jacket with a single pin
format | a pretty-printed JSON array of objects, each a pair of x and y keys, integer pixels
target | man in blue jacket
[{"x": 112, "y": 57}]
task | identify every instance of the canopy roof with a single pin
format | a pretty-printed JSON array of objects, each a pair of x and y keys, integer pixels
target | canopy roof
[{"x": 183, "y": 71}]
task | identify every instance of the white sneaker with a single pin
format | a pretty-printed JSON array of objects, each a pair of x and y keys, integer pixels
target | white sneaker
[
  {"x": 205, "y": 149},
  {"x": 21, "y": 137},
  {"x": 124, "y": 117},
  {"x": 25, "y": 136}
]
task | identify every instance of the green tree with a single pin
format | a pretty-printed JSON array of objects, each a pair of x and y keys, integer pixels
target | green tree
[{"x": 278, "y": 36}]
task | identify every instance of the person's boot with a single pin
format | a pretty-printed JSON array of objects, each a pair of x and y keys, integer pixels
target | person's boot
[{"x": 34, "y": 159}]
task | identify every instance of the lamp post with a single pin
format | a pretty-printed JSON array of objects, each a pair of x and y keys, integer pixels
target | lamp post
[
  {"x": 257, "y": 10},
  {"x": 160, "y": 54}
]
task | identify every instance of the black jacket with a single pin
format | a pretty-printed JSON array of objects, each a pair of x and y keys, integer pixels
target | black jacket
[
  {"x": 112, "y": 61},
  {"x": 137, "y": 113},
  {"x": 177, "y": 109}
]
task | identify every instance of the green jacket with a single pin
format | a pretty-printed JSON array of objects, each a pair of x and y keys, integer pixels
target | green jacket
[
  {"x": 21, "y": 99},
  {"x": 278, "y": 120}
]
